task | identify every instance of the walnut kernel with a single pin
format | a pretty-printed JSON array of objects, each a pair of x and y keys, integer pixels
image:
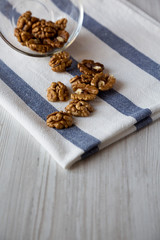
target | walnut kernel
[
  {"x": 84, "y": 78},
  {"x": 36, "y": 45},
  {"x": 61, "y": 23},
  {"x": 79, "y": 108},
  {"x": 22, "y": 36},
  {"x": 103, "y": 81},
  {"x": 43, "y": 29},
  {"x": 84, "y": 92},
  {"x": 59, "y": 120},
  {"x": 89, "y": 67},
  {"x": 57, "y": 92},
  {"x": 60, "y": 61},
  {"x": 24, "y": 21}
]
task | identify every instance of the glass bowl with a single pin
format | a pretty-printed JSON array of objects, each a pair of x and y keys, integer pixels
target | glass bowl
[{"x": 50, "y": 10}]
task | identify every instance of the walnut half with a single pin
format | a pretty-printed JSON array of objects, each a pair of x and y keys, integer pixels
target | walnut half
[
  {"x": 84, "y": 92},
  {"x": 61, "y": 23},
  {"x": 43, "y": 29},
  {"x": 89, "y": 67},
  {"x": 25, "y": 21},
  {"x": 84, "y": 78},
  {"x": 60, "y": 61},
  {"x": 79, "y": 108},
  {"x": 103, "y": 81},
  {"x": 57, "y": 92},
  {"x": 22, "y": 36},
  {"x": 37, "y": 45},
  {"x": 59, "y": 120}
]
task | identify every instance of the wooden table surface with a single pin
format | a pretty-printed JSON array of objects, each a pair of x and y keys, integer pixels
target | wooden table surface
[{"x": 113, "y": 195}]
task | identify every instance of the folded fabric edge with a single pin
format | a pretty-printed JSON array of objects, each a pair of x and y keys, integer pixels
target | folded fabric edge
[
  {"x": 109, "y": 142},
  {"x": 145, "y": 122},
  {"x": 99, "y": 147},
  {"x": 38, "y": 139},
  {"x": 103, "y": 145},
  {"x": 95, "y": 149}
]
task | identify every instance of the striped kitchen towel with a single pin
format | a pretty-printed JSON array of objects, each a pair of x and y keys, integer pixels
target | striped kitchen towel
[{"x": 127, "y": 42}]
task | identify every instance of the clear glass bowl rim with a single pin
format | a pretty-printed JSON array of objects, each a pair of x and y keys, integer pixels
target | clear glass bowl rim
[{"x": 80, "y": 21}]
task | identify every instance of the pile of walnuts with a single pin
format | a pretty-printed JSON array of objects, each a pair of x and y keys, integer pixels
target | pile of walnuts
[
  {"x": 41, "y": 35},
  {"x": 85, "y": 88}
]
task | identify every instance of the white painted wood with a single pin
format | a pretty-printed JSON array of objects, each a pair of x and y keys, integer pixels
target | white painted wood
[{"x": 114, "y": 195}]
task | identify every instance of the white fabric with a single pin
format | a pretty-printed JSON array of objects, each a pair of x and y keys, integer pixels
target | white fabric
[{"x": 107, "y": 124}]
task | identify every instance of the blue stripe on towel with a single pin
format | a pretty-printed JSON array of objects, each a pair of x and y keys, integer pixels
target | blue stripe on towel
[
  {"x": 115, "y": 99},
  {"x": 115, "y": 42},
  {"x": 143, "y": 123},
  {"x": 103, "y": 33},
  {"x": 89, "y": 153},
  {"x": 124, "y": 105},
  {"x": 42, "y": 107}
]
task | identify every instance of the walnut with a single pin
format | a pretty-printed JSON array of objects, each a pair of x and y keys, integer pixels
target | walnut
[
  {"x": 25, "y": 21},
  {"x": 84, "y": 78},
  {"x": 75, "y": 80},
  {"x": 79, "y": 108},
  {"x": 43, "y": 29},
  {"x": 103, "y": 81},
  {"x": 61, "y": 23},
  {"x": 59, "y": 120},
  {"x": 37, "y": 45},
  {"x": 59, "y": 40},
  {"x": 89, "y": 67},
  {"x": 60, "y": 61},
  {"x": 57, "y": 91},
  {"x": 22, "y": 36},
  {"x": 17, "y": 34},
  {"x": 84, "y": 92}
]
